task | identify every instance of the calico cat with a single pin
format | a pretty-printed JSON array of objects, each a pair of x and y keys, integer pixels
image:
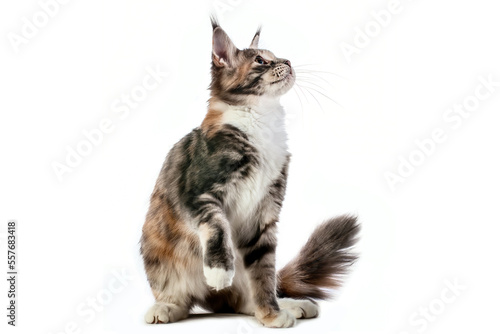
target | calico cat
[{"x": 210, "y": 233}]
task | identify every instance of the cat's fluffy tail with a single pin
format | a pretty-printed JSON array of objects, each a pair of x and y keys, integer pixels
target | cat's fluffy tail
[{"x": 322, "y": 262}]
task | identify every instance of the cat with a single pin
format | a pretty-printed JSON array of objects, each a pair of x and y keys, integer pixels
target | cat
[{"x": 209, "y": 238}]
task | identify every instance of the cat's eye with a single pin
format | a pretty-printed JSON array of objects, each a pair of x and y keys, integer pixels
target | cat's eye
[{"x": 260, "y": 60}]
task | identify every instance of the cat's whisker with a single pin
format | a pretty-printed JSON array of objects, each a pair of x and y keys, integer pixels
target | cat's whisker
[
  {"x": 307, "y": 88},
  {"x": 301, "y": 69},
  {"x": 312, "y": 95},
  {"x": 309, "y": 81},
  {"x": 316, "y": 87},
  {"x": 312, "y": 76},
  {"x": 304, "y": 91},
  {"x": 302, "y": 65},
  {"x": 318, "y": 71},
  {"x": 317, "y": 77},
  {"x": 295, "y": 89},
  {"x": 300, "y": 89},
  {"x": 323, "y": 94}
]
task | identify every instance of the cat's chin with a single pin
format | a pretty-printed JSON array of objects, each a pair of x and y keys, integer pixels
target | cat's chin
[{"x": 282, "y": 86}]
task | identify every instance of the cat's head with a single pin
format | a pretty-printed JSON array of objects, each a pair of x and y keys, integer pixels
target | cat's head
[{"x": 242, "y": 76}]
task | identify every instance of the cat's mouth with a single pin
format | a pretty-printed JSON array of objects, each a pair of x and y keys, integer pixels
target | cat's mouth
[{"x": 286, "y": 77}]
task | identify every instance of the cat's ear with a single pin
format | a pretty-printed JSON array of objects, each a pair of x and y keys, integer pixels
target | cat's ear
[
  {"x": 255, "y": 40},
  {"x": 223, "y": 49}
]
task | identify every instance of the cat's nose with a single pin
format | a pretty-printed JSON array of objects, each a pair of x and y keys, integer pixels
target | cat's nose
[{"x": 289, "y": 63}]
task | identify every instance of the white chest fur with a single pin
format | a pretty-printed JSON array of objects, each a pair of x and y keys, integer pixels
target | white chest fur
[{"x": 265, "y": 127}]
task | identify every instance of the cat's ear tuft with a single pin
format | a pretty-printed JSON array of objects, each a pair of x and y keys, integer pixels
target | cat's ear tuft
[
  {"x": 214, "y": 21},
  {"x": 223, "y": 49},
  {"x": 255, "y": 40}
]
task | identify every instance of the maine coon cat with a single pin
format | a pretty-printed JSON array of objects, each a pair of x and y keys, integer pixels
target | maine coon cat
[{"x": 210, "y": 233}]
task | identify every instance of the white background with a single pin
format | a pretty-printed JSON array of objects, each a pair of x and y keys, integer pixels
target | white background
[{"x": 440, "y": 225}]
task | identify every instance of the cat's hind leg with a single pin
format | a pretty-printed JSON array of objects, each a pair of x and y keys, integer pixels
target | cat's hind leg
[
  {"x": 259, "y": 262},
  {"x": 299, "y": 308}
]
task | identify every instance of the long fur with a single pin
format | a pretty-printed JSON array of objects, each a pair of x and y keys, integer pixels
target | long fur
[{"x": 322, "y": 262}]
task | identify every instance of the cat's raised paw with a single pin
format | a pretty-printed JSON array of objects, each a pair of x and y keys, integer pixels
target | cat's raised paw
[
  {"x": 218, "y": 278},
  {"x": 299, "y": 308},
  {"x": 162, "y": 313}
]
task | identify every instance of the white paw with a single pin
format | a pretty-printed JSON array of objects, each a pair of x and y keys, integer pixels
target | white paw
[
  {"x": 162, "y": 313},
  {"x": 300, "y": 308},
  {"x": 218, "y": 278},
  {"x": 284, "y": 319}
]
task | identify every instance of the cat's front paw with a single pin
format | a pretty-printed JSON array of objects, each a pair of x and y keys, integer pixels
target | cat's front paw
[
  {"x": 162, "y": 313},
  {"x": 218, "y": 278}
]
